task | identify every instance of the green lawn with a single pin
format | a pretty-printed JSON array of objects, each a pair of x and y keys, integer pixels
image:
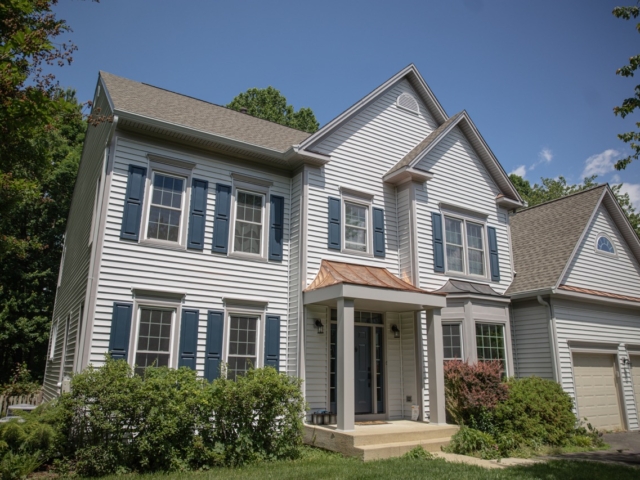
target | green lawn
[{"x": 316, "y": 464}]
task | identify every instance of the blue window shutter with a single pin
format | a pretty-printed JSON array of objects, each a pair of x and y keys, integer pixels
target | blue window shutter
[
  {"x": 276, "y": 230},
  {"x": 335, "y": 217},
  {"x": 213, "y": 354},
  {"x": 494, "y": 261},
  {"x": 438, "y": 243},
  {"x": 120, "y": 331},
  {"x": 272, "y": 342},
  {"x": 378, "y": 233},
  {"x": 133, "y": 203},
  {"x": 221, "y": 219},
  {"x": 189, "y": 339},
  {"x": 197, "y": 214}
]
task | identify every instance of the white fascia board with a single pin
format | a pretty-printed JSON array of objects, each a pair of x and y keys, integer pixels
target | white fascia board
[
  {"x": 296, "y": 154},
  {"x": 508, "y": 203},
  {"x": 383, "y": 299},
  {"x": 357, "y": 107},
  {"x": 407, "y": 174},
  {"x": 586, "y": 297},
  {"x": 105, "y": 90},
  {"x": 484, "y": 298},
  {"x": 532, "y": 294}
]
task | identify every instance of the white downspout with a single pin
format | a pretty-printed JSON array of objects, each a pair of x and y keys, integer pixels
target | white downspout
[{"x": 552, "y": 338}]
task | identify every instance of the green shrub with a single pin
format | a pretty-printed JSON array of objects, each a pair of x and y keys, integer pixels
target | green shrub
[
  {"x": 536, "y": 412},
  {"x": 468, "y": 441},
  {"x": 418, "y": 453},
  {"x": 14, "y": 466}
]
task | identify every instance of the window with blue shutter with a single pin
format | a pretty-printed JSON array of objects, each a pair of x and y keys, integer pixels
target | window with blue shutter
[
  {"x": 378, "y": 233},
  {"x": 276, "y": 229},
  {"x": 120, "y": 331},
  {"x": 272, "y": 342},
  {"x": 494, "y": 261},
  {"x": 132, "y": 213},
  {"x": 197, "y": 214},
  {"x": 221, "y": 219},
  {"x": 438, "y": 243},
  {"x": 188, "y": 339},
  {"x": 335, "y": 217},
  {"x": 213, "y": 353}
]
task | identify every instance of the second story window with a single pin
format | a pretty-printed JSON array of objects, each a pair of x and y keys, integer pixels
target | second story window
[
  {"x": 464, "y": 247},
  {"x": 165, "y": 210},
  {"x": 249, "y": 223},
  {"x": 355, "y": 227}
]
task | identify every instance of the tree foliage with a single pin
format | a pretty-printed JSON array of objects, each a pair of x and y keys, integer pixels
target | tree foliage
[
  {"x": 41, "y": 132},
  {"x": 269, "y": 104},
  {"x": 629, "y": 105},
  {"x": 554, "y": 188}
]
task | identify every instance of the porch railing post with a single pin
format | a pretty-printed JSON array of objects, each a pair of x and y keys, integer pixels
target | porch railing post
[
  {"x": 346, "y": 380},
  {"x": 437, "y": 410}
]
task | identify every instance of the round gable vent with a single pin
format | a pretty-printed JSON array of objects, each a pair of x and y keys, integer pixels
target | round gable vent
[{"x": 407, "y": 102}]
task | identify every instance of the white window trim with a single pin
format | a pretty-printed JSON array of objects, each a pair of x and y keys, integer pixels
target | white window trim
[
  {"x": 245, "y": 311},
  {"x": 362, "y": 201},
  {"x": 64, "y": 254},
  {"x": 504, "y": 341},
  {"x": 602, "y": 252},
  {"x": 54, "y": 339},
  {"x": 172, "y": 171},
  {"x": 461, "y": 325},
  {"x": 254, "y": 189},
  {"x": 176, "y": 321},
  {"x": 465, "y": 248}
]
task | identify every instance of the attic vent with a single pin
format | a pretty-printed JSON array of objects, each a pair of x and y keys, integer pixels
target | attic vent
[{"x": 407, "y": 102}]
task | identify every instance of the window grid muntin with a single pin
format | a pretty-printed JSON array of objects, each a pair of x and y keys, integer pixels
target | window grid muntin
[
  {"x": 452, "y": 341},
  {"x": 490, "y": 343},
  {"x": 356, "y": 225},
  {"x": 472, "y": 245},
  {"x": 603, "y": 241},
  {"x": 165, "y": 209},
  {"x": 462, "y": 245},
  {"x": 242, "y": 345},
  {"x": 248, "y": 229},
  {"x": 154, "y": 338}
]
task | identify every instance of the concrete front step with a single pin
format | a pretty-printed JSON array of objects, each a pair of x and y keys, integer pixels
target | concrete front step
[
  {"x": 366, "y": 438},
  {"x": 397, "y": 449}
]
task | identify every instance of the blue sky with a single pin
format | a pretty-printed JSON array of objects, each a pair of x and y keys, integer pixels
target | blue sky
[{"x": 537, "y": 77}]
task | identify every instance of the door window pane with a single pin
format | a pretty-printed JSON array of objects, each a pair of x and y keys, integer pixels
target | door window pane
[
  {"x": 452, "y": 341},
  {"x": 248, "y": 231},
  {"x": 242, "y": 355},
  {"x": 165, "y": 210},
  {"x": 154, "y": 339},
  {"x": 355, "y": 230}
]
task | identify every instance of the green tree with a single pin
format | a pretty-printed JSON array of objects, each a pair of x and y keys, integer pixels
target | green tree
[
  {"x": 269, "y": 104},
  {"x": 554, "y": 188},
  {"x": 41, "y": 132},
  {"x": 629, "y": 104}
]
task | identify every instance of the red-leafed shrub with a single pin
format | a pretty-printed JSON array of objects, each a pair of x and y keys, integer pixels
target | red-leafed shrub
[{"x": 472, "y": 389}]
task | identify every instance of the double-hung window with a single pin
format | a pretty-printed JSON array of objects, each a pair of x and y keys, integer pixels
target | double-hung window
[
  {"x": 154, "y": 340},
  {"x": 464, "y": 246},
  {"x": 165, "y": 217},
  {"x": 356, "y": 227},
  {"x": 490, "y": 343},
  {"x": 249, "y": 223},
  {"x": 452, "y": 341},
  {"x": 243, "y": 344}
]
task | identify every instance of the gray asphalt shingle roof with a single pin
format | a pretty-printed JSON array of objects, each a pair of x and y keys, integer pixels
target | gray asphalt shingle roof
[
  {"x": 149, "y": 101},
  {"x": 543, "y": 238}
]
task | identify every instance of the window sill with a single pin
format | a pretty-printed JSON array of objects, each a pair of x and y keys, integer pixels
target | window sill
[
  {"x": 163, "y": 245},
  {"x": 357, "y": 253},
  {"x": 476, "y": 278},
  {"x": 248, "y": 256}
]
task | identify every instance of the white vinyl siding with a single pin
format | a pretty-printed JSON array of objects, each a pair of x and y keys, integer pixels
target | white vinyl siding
[
  {"x": 598, "y": 324},
  {"x": 316, "y": 385},
  {"x": 401, "y": 365},
  {"x": 619, "y": 273},
  {"x": 531, "y": 342},
  {"x": 205, "y": 277},
  {"x": 405, "y": 239},
  {"x": 73, "y": 280},
  {"x": 295, "y": 287},
  {"x": 460, "y": 178}
]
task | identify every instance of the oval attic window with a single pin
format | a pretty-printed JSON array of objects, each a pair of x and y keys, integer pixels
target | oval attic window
[{"x": 407, "y": 102}]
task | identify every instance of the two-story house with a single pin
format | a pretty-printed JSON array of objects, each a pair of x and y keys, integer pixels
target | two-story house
[{"x": 358, "y": 258}]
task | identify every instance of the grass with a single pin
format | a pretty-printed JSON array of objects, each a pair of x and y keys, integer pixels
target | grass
[{"x": 317, "y": 464}]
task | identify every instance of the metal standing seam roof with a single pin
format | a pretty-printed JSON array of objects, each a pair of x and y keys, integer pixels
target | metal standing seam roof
[
  {"x": 544, "y": 237},
  {"x": 334, "y": 273},
  {"x": 153, "y": 102},
  {"x": 459, "y": 286}
]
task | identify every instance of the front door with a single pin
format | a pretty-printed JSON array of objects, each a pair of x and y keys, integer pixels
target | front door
[{"x": 363, "y": 369}]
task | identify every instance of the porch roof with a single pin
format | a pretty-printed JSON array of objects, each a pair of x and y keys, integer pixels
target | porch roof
[{"x": 370, "y": 287}]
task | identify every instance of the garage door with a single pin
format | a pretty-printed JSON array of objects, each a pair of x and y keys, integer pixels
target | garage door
[
  {"x": 635, "y": 375},
  {"x": 596, "y": 390}
]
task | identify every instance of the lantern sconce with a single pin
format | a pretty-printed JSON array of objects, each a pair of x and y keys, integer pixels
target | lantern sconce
[
  {"x": 320, "y": 326},
  {"x": 396, "y": 331}
]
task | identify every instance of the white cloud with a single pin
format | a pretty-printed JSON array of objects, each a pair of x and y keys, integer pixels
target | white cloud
[
  {"x": 601, "y": 163},
  {"x": 544, "y": 156},
  {"x": 520, "y": 171},
  {"x": 615, "y": 178},
  {"x": 633, "y": 189}
]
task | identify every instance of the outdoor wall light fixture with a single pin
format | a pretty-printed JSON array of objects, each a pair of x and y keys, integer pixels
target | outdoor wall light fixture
[
  {"x": 396, "y": 331},
  {"x": 320, "y": 326}
]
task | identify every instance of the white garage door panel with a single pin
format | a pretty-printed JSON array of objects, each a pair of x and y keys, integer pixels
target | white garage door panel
[
  {"x": 596, "y": 390},
  {"x": 635, "y": 376}
]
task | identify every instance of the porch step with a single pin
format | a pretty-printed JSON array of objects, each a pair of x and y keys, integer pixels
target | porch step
[
  {"x": 401, "y": 434},
  {"x": 397, "y": 449}
]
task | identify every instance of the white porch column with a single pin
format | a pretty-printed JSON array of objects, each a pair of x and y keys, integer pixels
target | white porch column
[
  {"x": 346, "y": 380},
  {"x": 437, "y": 411}
]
